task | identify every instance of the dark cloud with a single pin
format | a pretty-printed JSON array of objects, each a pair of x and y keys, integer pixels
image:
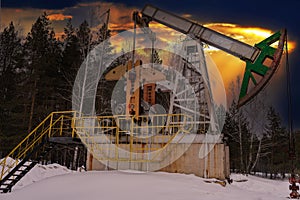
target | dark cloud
[
  {"x": 268, "y": 13},
  {"x": 42, "y": 4},
  {"x": 282, "y": 98}
]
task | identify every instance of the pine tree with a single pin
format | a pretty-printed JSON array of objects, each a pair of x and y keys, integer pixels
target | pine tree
[
  {"x": 104, "y": 91},
  {"x": 230, "y": 131},
  {"x": 297, "y": 150},
  {"x": 102, "y": 34},
  {"x": 10, "y": 47},
  {"x": 278, "y": 140},
  {"x": 245, "y": 143},
  {"x": 85, "y": 39},
  {"x": 238, "y": 137},
  {"x": 72, "y": 59},
  {"x": 43, "y": 59},
  {"x": 11, "y": 69}
]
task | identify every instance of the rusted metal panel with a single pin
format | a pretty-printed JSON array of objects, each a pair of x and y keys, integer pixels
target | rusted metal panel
[{"x": 149, "y": 93}]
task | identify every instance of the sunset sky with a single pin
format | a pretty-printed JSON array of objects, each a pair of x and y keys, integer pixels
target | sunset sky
[{"x": 250, "y": 22}]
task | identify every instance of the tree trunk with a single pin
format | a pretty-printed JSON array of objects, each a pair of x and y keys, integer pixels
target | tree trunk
[
  {"x": 241, "y": 142},
  {"x": 257, "y": 155},
  {"x": 250, "y": 154},
  {"x": 32, "y": 106}
]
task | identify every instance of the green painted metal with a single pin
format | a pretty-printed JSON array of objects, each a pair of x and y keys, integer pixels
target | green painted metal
[{"x": 257, "y": 66}]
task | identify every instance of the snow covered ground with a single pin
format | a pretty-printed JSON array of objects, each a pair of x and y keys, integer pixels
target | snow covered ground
[{"x": 54, "y": 182}]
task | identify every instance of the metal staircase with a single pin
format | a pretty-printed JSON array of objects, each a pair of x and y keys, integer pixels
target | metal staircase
[
  {"x": 15, "y": 175},
  {"x": 24, "y": 166},
  {"x": 34, "y": 148}
]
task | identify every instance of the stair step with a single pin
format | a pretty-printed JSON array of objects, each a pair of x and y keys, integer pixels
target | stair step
[
  {"x": 17, "y": 175},
  {"x": 22, "y": 170},
  {"x": 6, "y": 181},
  {"x": 31, "y": 163},
  {"x": 5, "y": 184},
  {"x": 5, "y": 190},
  {"x": 21, "y": 174},
  {"x": 11, "y": 179},
  {"x": 26, "y": 166}
]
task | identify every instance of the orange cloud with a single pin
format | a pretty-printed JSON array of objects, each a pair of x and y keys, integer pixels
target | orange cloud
[
  {"x": 115, "y": 28},
  {"x": 59, "y": 17},
  {"x": 249, "y": 35},
  {"x": 186, "y": 15},
  {"x": 59, "y": 35},
  {"x": 119, "y": 13},
  {"x": 231, "y": 67}
]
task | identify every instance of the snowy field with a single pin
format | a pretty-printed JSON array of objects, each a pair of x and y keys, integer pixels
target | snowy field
[{"x": 54, "y": 182}]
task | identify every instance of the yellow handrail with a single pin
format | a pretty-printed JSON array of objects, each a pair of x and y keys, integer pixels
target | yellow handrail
[
  {"x": 56, "y": 123},
  {"x": 47, "y": 127},
  {"x": 180, "y": 124}
]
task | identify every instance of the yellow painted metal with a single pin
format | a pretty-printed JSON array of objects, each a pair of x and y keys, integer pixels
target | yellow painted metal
[
  {"x": 120, "y": 132},
  {"x": 116, "y": 73},
  {"x": 150, "y": 75},
  {"x": 49, "y": 127},
  {"x": 133, "y": 89},
  {"x": 115, "y": 136}
]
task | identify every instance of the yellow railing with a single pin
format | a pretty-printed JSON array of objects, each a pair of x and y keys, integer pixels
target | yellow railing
[
  {"x": 106, "y": 135},
  {"x": 55, "y": 124}
]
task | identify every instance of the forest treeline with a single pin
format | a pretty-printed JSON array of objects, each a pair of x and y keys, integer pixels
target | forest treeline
[
  {"x": 37, "y": 74},
  {"x": 259, "y": 141}
]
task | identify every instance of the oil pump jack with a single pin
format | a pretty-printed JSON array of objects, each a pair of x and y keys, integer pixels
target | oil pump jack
[
  {"x": 262, "y": 60},
  {"x": 257, "y": 57}
]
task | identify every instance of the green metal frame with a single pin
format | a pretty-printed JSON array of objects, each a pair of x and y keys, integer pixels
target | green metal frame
[{"x": 257, "y": 66}]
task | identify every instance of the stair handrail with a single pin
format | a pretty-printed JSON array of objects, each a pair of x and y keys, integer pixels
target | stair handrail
[{"x": 32, "y": 143}]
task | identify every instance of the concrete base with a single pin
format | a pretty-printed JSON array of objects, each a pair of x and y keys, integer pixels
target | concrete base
[{"x": 214, "y": 165}]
